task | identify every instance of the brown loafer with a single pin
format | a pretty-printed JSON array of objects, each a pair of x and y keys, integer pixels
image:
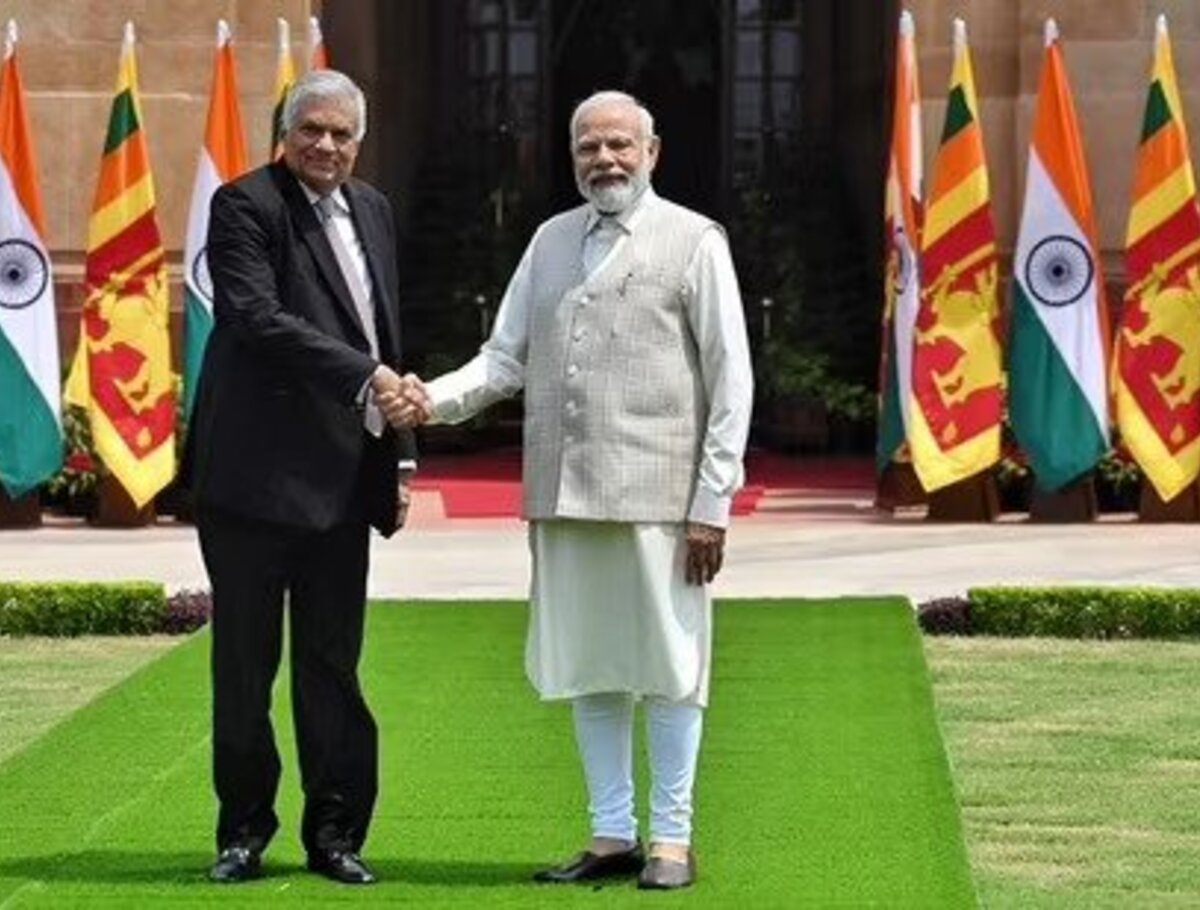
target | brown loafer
[
  {"x": 588, "y": 866},
  {"x": 662, "y": 874}
]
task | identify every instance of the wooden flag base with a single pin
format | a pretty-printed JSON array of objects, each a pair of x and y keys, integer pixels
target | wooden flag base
[
  {"x": 22, "y": 512},
  {"x": 974, "y": 499},
  {"x": 115, "y": 508},
  {"x": 1076, "y": 502},
  {"x": 1184, "y": 507},
  {"x": 898, "y": 486}
]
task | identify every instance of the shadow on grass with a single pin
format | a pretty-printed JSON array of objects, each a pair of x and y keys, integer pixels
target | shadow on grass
[{"x": 123, "y": 867}]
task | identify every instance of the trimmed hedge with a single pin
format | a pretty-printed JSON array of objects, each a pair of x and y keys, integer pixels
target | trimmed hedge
[
  {"x": 1068, "y": 612},
  {"x": 98, "y": 608}
]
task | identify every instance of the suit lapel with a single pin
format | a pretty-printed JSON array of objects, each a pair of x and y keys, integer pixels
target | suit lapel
[
  {"x": 372, "y": 235},
  {"x": 304, "y": 217}
]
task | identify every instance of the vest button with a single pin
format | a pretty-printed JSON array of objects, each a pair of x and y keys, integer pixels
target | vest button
[{"x": 572, "y": 370}]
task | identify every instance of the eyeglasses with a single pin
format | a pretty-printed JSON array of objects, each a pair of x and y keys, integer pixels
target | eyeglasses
[{"x": 312, "y": 133}]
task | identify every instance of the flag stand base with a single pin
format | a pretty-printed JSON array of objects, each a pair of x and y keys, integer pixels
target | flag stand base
[
  {"x": 22, "y": 512},
  {"x": 115, "y": 508},
  {"x": 974, "y": 499},
  {"x": 898, "y": 486},
  {"x": 1184, "y": 507},
  {"x": 1076, "y": 502}
]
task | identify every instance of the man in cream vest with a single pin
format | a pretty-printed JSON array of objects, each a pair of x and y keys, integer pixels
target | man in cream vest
[{"x": 624, "y": 326}]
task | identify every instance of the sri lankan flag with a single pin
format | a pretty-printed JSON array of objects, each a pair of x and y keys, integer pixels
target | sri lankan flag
[
  {"x": 1058, "y": 332},
  {"x": 222, "y": 158},
  {"x": 122, "y": 370},
  {"x": 285, "y": 75},
  {"x": 1157, "y": 364},
  {"x": 902, "y": 227},
  {"x": 957, "y": 381}
]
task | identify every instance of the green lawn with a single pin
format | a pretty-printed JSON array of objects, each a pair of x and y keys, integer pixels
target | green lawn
[
  {"x": 1078, "y": 768},
  {"x": 44, "y": 679},
  {"x": 823, "y": 778}
]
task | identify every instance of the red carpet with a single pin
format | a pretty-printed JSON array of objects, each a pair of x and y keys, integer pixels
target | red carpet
[{"x": 488, "y": 484}]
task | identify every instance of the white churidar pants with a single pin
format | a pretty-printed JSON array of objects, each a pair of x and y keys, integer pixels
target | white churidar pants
[{"x": 604, "y": 732}]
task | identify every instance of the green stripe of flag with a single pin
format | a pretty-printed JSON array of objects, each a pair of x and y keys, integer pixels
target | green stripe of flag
[
  {"x": 198, "y": 323},
  {"x": 1158, "y": 111},
  {"x": 1050, "y": 414},
  {"x": 122, "y": 122},
  {"x": 958, "y": 114},
  {"x": 891, "y": 418},
  {"x": 31, "y": 444}
]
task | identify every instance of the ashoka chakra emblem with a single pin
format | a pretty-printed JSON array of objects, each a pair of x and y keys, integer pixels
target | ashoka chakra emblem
[
  {"x": 24, "y": 273},
  {"x": 200, "y": 277},
  {"x": 1058, "y": 271}
]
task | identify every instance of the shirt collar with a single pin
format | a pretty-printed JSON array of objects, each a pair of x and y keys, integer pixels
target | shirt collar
[
  {"x": 338, "y": 197},
  {"x": 626, "y": 219}
]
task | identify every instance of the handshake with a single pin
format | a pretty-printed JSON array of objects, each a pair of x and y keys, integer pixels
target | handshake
[{"x": 402, "y": 400}]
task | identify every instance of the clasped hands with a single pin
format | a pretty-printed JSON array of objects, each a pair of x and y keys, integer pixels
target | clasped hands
[{"x": 402, "y": 400}]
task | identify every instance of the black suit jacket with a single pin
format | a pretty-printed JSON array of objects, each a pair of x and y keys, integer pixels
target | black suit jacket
[{"x": 277, "y": 431}]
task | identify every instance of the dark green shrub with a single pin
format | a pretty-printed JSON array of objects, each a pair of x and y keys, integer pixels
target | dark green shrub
[
  {"x": 82, "y": 608},
  {"x": 1085, "y": 612}
]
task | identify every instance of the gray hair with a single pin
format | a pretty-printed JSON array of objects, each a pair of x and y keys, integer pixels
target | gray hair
[
  {"x": 324, "y": 85},
  {"x": 599, "y": 99}
]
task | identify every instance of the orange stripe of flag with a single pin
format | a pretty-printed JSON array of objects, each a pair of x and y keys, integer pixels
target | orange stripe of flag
[
  {"x": 1157, "y": 158},
  {"x": 225, "y": 140},
  {"x": 16, "y": 144},
  {"x": 957, "y": 159},
  {"x": 120, "y": 169},
  {"x": 1058, "y": 144}
]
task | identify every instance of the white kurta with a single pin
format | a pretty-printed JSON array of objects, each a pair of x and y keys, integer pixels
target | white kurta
[{"x": 610, "y": 609}]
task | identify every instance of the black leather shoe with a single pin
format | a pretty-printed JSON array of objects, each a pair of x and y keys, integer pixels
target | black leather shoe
[
  {"x": 341, "y": 866},
  {"x": 662, "y": 874},
  {"x": 235, "y": 864},
  {"x": 588, "y": 866}
]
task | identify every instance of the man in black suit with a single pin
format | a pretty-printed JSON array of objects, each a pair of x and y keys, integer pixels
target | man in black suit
[{"x": 290, "y": 462}]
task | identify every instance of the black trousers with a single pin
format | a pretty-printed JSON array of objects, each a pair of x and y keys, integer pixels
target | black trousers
[{"x": 255, "y": 568}]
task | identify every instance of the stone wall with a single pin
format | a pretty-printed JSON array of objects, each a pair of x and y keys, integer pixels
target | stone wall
[{"x": 68, "y": 54}]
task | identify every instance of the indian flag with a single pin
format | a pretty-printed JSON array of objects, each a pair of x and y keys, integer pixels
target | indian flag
[
  {"x": 1156, "y": 376},
  {"x": 1058, "y": 335},
  {"x": 31, "y": 441},
  {"x": 957, "y": 398},
  {"x": 222, "y": 158},
  {"x": 318, "y": 54},
  {"x": 285, "y": 75},
  {"x": 902, "y": 226},
  {"x": 122, "y": 369}
]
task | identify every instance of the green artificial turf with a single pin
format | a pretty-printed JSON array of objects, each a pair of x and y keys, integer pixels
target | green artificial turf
[{"x": 823, "y": 780}]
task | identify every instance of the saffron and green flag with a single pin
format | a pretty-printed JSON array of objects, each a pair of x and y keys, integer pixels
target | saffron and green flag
[
  {"x": 222, "y": 158},
  {"x": 31, "y": 439},
  {"x": 957, "y": 399},
  {"x": 122, "y": 369},
  {"x": 1058, "y": 332},
  {"x": 1156, "y": 374},
  {"x": 902, "y": 226}
]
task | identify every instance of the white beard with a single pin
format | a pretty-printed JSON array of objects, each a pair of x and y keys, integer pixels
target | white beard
[{"x": 615, "y": 198}]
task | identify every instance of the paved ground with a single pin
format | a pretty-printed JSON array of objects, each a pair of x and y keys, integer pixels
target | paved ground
[{"x": 794, "y": 545}]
